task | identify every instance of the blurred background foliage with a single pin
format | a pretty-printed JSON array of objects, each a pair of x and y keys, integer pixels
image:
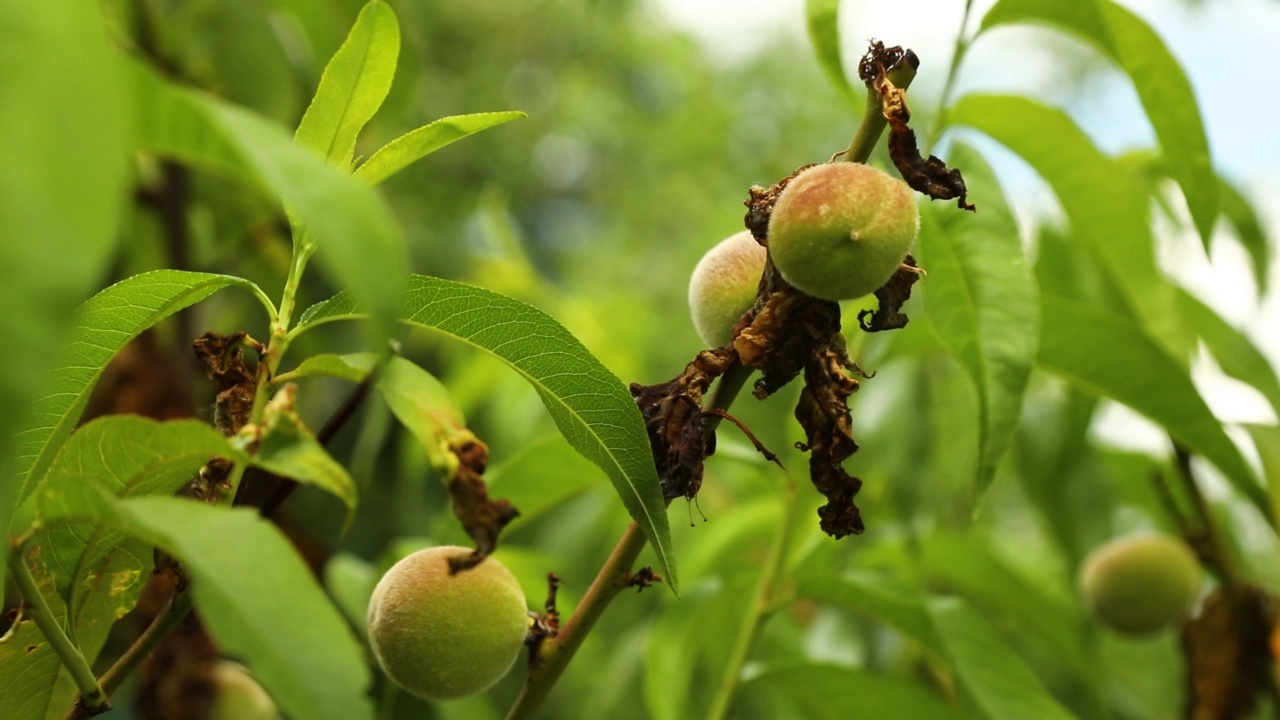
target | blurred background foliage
[{"x": 636, "y": 157}]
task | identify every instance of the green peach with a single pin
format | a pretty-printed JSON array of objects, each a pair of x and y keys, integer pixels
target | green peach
[
  {"x": 442, "y": 636},
  {"x": 240, "y": 697},
  {"x": 839, "y": 230},
  {"x": 1141, "y": 584},
  {"x": 723, "y": 286}
]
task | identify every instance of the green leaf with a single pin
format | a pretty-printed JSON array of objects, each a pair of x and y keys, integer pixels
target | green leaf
[
  {"x": 288, "y": 448},
  {"x": 983, "y": 302},
  {"x": 1162, "y": 86},
  {"x": 353, "y": 86},
  {"x": 822, "y": 20},
  {"x": 829, "y": 692},
  {"x": 1109, "y": 355},
  {"x": 1233, "y": 350},
  {"x": 359, "y": 243},
  {"x": 997, "y": 681},
  {"x": 1266, "y": 438},
  {"x": 63, "y": 183},
  {"x": 415, "y": 397},
  {"x": 350, "y": 581},
  {"x": 105, "y": 323},
  {"x": 673, "y": 649},
  {"x": 1238, "y": 211},
  {"x": 261, "y": 604},
  {"x": 590, "y": 405},
  {"x": 417, "y": 144},
  {"x": 876, "y": 596},
  {"x": 1107, "y": 210}
]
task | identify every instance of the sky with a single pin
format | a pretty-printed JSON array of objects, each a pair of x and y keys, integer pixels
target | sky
[{"x": 1229, "y": 49}]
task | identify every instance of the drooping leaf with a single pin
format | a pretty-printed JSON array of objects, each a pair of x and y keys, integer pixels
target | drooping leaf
[
  {"x": 997, "y": 681},
  {"x": 353, "y": 85},
  {"x": 417, "y": 144},
  {"x": 829, "y": 691},
  {"x": 63, "y": 181},
  {"x": 1233, "y": 350},
  {"x": 1266, "y": 438},
  {"x": 1109, "y": 355},
  {"x": 104, "y": 324},
  {"x": 1162, "y": 86},
  {"x": 359, "y": 243},
  {"x": 1238, "y": 211},
  {"x": 1107, "y": 211},
  {"x": 261, "y": 604},
  {"x": 288, "y": 448},
  {"x": 590, "y": 405},
  {"x": 983, "y": 302},
  {"x": 822, "y": 20}
]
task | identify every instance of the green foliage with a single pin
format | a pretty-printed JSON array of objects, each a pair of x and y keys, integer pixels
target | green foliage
[{"x": 560, "y": 247}]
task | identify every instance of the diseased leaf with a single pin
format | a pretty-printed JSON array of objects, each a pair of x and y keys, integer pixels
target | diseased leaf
[
  {"x": 983, "y": 302},
  {"x": 1233, "y": 350},
  {"x": 997, "y": 681},
  {"x": 1162, "y": 86},
  {"x": 591, "y": 407},
  {"x": 261, "y": 604},
  {"x": 822, "y": 20},
  {"x": 104, "y": 324},
  {"x": 417, "y": 144},
  {"x": 359, "y": 243},
  {"x": 830, "y": 691},
  {"x": 1107, "y": 211},
  {"x": 58, "y": 222},
  {"x": 353, "y": 85},
  {"x": 1109, "y": 355}
]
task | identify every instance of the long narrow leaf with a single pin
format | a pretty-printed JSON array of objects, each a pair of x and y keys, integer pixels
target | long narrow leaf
[
  {"x": 261, "y": 603},
  {"x": 589, "y": 404},
  {"x": 983, "y": 302},
  {"x": 1234, "y": 351},
  {"x": 1107, "y": 210},
  {"x": 417, "y": 144},
  {"x": 1162, "y": 86},
  {"x": 353, "y": 85},
  {"x": 359, "y": 243},
  {"x": 1110, "y": 355},
  {"x": 822, "y": 20},
  {"x": 105, "y": 323}
]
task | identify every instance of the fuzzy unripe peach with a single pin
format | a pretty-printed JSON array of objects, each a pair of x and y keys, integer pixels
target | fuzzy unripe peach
[
  {"x": 442, "y": 636},
  {"x": 723, "y": 286},
  {"x": 839, "y": 230},
  {"x": 1141, "y": 584},
  {"x": 239, "y": 696}
]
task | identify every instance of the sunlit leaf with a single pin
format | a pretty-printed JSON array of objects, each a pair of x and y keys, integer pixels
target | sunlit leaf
[
  {"x": 1234, "y": 351},
  {"x": 63, "y": 182},
  {"x": 1107, "y": 210},
  {"x": 261, "y": 604},
  {"x": 997, "y": 681},
  {"x": 417, "y": 144},
  {"x": 983, "y": 302},
  {"x": 822, "y": 20},
  {"x": 358, "y": 241},
  {"x": 591, "y": 407},
  {"x": 1109, "y": 355},
  {"x": 104, "y": 324},
  {"x": 1238, "y": 211},
  {"x": 829, "y": 691},
  {"x": 1162, "y": 86},
  {"x": 353, "y": 85}
]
